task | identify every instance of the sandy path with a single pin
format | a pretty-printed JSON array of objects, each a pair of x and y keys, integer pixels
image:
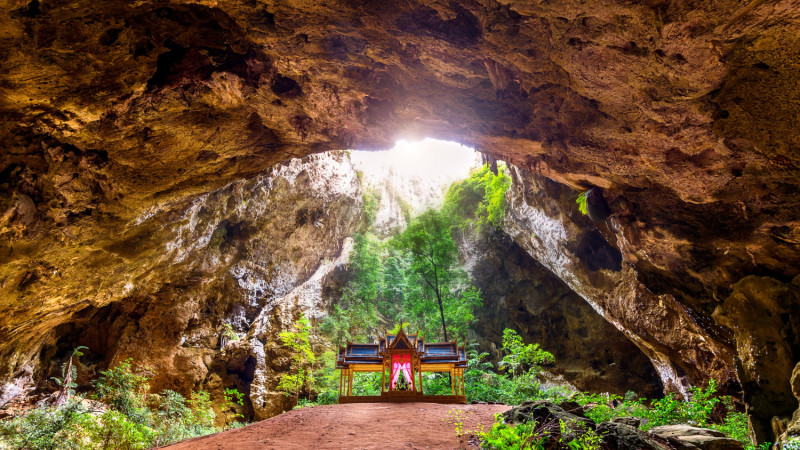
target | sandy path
[{"x": 352, "y": 426}]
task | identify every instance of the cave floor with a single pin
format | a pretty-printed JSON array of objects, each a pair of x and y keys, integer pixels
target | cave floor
[{"x": 354, "y": 426}]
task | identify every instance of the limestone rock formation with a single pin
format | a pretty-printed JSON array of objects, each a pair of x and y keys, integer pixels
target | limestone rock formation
[
  {"x": 522, "y": 294},
  {"x": 272, "y": 359},
  {"x": 792, "y": 432},
  {"x": 545, "y": 221},
  {"x": 225, "y": 259},
  {"x": 761, "y": 312},
  {"x": 621, "y": 436},
  {"x": 682, "y": 113}
]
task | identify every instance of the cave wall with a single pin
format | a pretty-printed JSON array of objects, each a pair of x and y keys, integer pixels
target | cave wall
[
  {"x": 683, "y": 113},
  {"x": 230, "y": 257},
  {"x": 747, "y": 341},
  {"x": 520, "y": 293}
]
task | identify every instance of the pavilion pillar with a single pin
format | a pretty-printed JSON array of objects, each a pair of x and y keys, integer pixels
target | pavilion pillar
[
  {"x": 452, "y": 382},
  {"x": 350, "y": 384}
]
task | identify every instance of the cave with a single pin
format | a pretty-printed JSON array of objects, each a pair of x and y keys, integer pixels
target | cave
[{"x": 168, "y": 167}]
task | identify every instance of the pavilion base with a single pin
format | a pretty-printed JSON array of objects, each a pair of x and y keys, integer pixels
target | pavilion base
[{"x": 458, "y": 399}]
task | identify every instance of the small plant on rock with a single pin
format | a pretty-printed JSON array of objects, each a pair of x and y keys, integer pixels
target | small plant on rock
[
  {"x": 582, "y": 205},
  {"x": 232, "y": 397}
]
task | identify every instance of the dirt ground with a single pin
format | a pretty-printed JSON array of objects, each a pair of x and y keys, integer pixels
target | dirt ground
[{"x": 354, "y": 426}]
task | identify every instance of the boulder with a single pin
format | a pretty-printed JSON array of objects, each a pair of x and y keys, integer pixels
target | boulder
[
  {"x": 544, "y": 412},
  {"x": 630, "y": 421},
  {"x": 548, "y": 418},
  {"x": 792, "y": 431},
  {"x": 690, "y": 437},
  {"x": 618, "y": 436}
]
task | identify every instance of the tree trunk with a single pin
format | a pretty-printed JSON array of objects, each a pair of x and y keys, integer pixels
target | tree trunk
[
  {"x": 63, "y": 396},
  {"x": 441, "y": 311}
]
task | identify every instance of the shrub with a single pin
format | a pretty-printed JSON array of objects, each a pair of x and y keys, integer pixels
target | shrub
[
  {"x": 535, "y": 436},
  {"x": 44, "y": 427},
  {"x": 124, "y": 389},
  {"x": 129, "y": 420},
  {"x": 232, "y": 397},
  {"x": 113, "y": 430}
]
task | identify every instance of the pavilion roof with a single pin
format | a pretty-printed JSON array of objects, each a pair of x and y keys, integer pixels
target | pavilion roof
[{"x": 432, "y": 352}]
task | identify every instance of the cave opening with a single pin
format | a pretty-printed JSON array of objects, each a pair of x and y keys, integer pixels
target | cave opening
[{"x": 420, "y": 184}]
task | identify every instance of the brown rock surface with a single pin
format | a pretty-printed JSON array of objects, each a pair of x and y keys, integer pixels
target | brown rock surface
[
  {"x": 761, "y": 312},
  {"x": 545, "y": 221},
  {"x": 235, "y": 256},
  {"x": 683, "y": 113},
  {"x": 520, "y": 293}
]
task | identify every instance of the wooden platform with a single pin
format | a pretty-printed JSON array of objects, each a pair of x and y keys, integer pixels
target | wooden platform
[{"x": 447, "y": 399}]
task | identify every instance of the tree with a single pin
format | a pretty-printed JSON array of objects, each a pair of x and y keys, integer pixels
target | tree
[
  {"x": 479, "y": 200},
  {"x": 356, "y": 310},
  {"x": 519, "y": 354},
  {"x": 302, "y": 359},
  {"x": 433, "y": 255},
  {"x": 69, "y": 372}
]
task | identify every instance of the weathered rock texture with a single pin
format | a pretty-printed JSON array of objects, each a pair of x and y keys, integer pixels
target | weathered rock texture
[
  {"x": 792, "y": 432},
  {"x": 312, "y": 299},
  {"x": 684, "y": 112},
  {"x": 521, "y": 294},
  {"x": 668, "y": 316},
  {"x": 762, "y": 313},
  {"x": 177, "y": 275},
  {"x": 687, "y": 437}
]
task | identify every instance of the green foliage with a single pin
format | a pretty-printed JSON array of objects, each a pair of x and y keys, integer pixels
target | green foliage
[
  {"x": 124, "y": 389},
  {"x": 581, "y": 201},
  {"x": 664, "y": 411},
  {"x": 232, "y": 397},
  {"x": 600, "y": 406},
  {"x": 115, "y": 430},
  {"x": 535, "y": 436},
  {"x": 371, "y": 202},
  {"x": 299, "y": 376},
  {"x": 367, "y": 383},
  {"x": 326, "y": 380},
  {"x": 130, "y": 418},
  {"x": 69, "y": 373},
  {"x": 398, "y": 327},
  {"x": 519, "y": 355},
  {"x": 228, "y": 333},
  {"x": 480, "y": 199},
  {"x": 791, "y": 444},
  {"x": 437, "y": 294},
  {"x": 519, "y": 384},
  {"x": 670, "y": 410},
  {"x": 44, "y": 427},
  {"x": 436, "y": 383},
  {"x": 356, "y": 317},
  {"x": 503, "y": 436}
]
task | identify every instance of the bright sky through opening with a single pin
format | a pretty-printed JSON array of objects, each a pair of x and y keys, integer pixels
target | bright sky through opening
[{"x": 426, "y": 159}]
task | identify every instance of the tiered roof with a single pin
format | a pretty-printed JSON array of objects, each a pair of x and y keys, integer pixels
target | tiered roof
[{"x": 435, "y": 352}]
